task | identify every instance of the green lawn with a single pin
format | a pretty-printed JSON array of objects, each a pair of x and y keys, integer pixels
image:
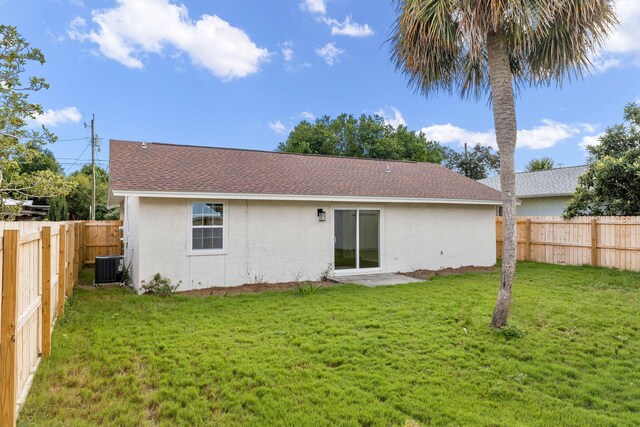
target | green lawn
[{"x": 412, "y": 354}]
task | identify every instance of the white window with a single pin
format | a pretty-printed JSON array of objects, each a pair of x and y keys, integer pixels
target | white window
[{"x": 207, "y": 226}]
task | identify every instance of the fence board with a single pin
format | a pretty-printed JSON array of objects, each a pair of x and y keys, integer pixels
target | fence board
[
  {"x": 604, "y": 241},
  {"x": 62, "y": 269},
  {"x": 8, "y": 321},
  {"x": 40, "y": 262},
  {"x": 46, "y": 291}
]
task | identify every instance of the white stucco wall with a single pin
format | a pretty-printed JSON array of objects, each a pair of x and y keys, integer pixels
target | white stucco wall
[
  {"x": 130, "y": 214},
  {"x": 542, "y": 206},
  {"x": 278, "y": 241},
  {"x": 438, "y": 236}
]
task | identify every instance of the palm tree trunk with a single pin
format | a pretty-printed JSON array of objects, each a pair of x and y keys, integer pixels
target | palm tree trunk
[{"x": 504, "y": 116}]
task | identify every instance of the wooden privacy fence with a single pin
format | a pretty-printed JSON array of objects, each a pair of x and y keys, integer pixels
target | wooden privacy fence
[
  {"x": 599, "y": 241},
  {"x": 101, "y": 238},
  {"x": 40, "y": 263}
]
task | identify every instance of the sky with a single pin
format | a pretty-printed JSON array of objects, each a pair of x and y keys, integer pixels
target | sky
[{"x": 243, "y": 73}]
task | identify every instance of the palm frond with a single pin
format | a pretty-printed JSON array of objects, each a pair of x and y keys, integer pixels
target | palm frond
[
  {"x": 425, "y": 44},
  {"x": 440, "y": 45},
  {"x": 572, "y": 30}
]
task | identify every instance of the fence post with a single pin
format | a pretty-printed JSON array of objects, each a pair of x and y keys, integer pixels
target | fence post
[
  {"x": 594, "y": 242},
  {"x": 68, "y": 257},
  {"x": 8, "y": 323},
  {"x": 46, "y": 291},
  {"x": 527, "y": 240},
  {"x": 76, "y": 258},
  {"x": 62, "y": 272}
]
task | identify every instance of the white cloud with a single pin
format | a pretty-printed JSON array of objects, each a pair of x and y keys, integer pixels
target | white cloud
[
  {"x": 450, "y": 134},
  {"x": 134, "y": 28},
  {"x": 589, "y": 127},
  {"x": 278, "y": 127},
  {"x": 338, "y": 28},
  {"x": 626, "y": 38},
  {"x": 624, "y": 42},
  {"x": 590, "y": 140},
  {"x": 395, "y": 119},
  {"x": 287, "y": 51},
  {"x": 348, "y": 28},
  {"x": 546, "y": 135},
  {"x": 603, "y": 62},
  {"x": 330, "y": 53},
  {"x": 306, "y": 115},
  {"x": 314, "y": 6},
  {"x": 58, "y": 117}
]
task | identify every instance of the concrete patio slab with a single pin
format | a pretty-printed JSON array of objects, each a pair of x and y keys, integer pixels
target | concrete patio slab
[{"x": 373, "y": 280}]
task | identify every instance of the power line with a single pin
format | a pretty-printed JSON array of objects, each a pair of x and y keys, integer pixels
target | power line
[
  {"x": 73, "y": 139},
  {"x": 82, "y": 160},
  {"x": 78, "y": 159}
]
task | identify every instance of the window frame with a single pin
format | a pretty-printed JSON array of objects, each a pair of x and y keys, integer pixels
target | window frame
[{"x": 191, "y": 227}]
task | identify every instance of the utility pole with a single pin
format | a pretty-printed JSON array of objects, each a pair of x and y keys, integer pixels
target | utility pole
[
  {"x": 466, "y": 161},
  {"x": 93, "y": 167}
]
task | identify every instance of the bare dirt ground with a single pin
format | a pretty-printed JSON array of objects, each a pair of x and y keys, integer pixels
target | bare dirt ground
[
  {"x": 262, "y": 287},
  {"x": 254, "y": 288}
]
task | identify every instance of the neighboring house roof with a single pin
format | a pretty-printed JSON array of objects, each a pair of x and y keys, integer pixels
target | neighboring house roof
[
  {"x": 153, "y": 169},
  {"x": 553, "y": 182},
  {"x": 29, "y": 211},
  {"x": 14, "y": 202}
]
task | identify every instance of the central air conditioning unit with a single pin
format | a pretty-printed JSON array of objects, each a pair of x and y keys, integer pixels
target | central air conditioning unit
[{"x": 109, "y": 269}]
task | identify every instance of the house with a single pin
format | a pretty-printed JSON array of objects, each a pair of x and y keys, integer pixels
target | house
[
  {"x": 225, "y": 217},
  {"x": 542, "y": 193},
  {"x": 28, "y": 210}
]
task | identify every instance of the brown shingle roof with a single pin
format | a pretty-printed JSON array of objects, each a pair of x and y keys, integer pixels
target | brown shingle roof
[{"x": 181, "y": 168}]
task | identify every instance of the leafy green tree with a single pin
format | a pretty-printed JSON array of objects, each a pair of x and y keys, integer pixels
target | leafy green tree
[
  {"x": 480, "y": 47},
  {"x": 366, "y": 136},
  {"x": 541, "y": 164},
  {"x": 18, "y": 143},
  {"x": 611, "y": 183},
  {"x": 476, "y": 163},
  {"x": 58, "y": 210},
  {"x": 79, "y": 200},
  {"x": 39, "y": 159}
]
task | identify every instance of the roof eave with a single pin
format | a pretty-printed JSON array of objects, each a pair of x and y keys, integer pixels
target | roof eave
[
  {"x": 531, "y": 196},
  {"x": 298, "y": 197}
]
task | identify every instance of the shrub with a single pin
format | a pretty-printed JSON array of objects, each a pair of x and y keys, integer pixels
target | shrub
[{"x": 160, "y": 285}]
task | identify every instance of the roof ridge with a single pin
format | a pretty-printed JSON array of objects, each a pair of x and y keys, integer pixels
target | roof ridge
[
  {"x": 253, "y": 150},
  {"x": 551, "y": 170},
  {"x": 546, "y": 170}
]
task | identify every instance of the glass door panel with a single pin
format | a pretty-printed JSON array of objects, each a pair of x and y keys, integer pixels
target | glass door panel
[
  {"x": 357, "y": 239},
  {"x": 345, "y": 239},
  {"x": 369, "y": 249}
]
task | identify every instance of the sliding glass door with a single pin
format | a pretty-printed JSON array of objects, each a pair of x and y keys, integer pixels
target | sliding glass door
[{"x": 357, "y": 239}]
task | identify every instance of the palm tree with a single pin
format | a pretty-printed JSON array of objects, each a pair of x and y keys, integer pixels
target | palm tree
[{"x": 489, "y": 47}]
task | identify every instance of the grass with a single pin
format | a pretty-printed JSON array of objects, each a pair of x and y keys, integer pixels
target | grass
[
  {"x": 349, "y": 355},
  {"x": 86, "y": 276}
]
